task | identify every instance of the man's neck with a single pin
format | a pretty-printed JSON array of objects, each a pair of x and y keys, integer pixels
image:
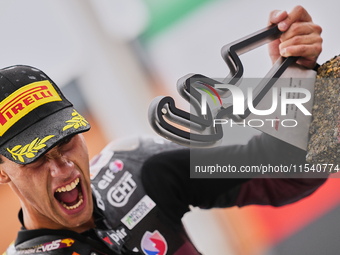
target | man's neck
[{"x": 31, "y": 223}]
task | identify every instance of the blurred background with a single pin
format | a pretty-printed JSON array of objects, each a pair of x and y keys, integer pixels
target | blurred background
[{"x": 112, "y": 57}]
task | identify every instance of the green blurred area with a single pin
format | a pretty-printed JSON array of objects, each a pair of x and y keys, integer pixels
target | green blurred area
[{"x": 164, "y": 13}]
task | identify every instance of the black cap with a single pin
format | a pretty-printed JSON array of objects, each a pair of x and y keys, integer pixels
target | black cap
[{"x": 34, "y": 114}]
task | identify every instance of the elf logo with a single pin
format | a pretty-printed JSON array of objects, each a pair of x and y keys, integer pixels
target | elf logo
[
  {"x": 23, "y": 101},
  {"x": 154, "y": 243},
  {"x": 106, "y": 179},
  {"x": 119, "y": 194}
]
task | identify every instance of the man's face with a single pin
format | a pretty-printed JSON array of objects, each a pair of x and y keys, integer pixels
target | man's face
[{"x": 55, "y": 190}]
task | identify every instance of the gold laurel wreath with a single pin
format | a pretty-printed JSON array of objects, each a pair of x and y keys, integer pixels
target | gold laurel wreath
[
  {"x": 76, "y": 122},
  {"x": 29, "y": 149}
]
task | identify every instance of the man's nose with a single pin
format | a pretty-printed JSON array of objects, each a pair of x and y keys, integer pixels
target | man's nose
[{"x": 61, "y": 167}]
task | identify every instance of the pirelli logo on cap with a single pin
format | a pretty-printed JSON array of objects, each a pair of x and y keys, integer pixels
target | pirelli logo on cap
[{"x": 23, "y": 101}]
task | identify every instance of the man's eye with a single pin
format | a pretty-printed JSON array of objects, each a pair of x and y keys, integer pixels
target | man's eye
[
  {"x": 65, "y": 141},
  {"x": 37, "y": 163}
]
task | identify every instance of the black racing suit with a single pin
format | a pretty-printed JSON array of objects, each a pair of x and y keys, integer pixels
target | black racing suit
[{"x": 142, "y": 188}]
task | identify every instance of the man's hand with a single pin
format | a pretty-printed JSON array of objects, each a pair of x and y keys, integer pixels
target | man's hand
[{"x": 301, "y": 37}]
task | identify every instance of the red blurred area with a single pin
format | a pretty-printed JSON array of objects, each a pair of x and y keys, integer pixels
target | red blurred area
[{"x": 258, "y": 227}]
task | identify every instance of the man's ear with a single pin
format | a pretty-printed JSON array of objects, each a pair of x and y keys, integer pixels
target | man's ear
[{"x": 4, "y": 178}]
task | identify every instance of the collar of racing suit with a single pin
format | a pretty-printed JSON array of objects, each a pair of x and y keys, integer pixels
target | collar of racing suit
[{"x": 88, "y": 236}]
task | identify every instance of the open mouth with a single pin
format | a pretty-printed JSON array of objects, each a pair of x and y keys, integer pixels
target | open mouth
[{"x": 70, "y": 196}]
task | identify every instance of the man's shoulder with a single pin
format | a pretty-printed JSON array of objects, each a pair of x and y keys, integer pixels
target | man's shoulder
[
  {"x": 136, "y": 148},
  {"x": 116, "y": 176}
]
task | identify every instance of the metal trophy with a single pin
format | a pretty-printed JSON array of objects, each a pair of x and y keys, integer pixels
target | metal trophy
[{"x": 203, "y": 126}]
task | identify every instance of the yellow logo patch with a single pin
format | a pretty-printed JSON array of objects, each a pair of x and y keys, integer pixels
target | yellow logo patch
[
  {"x": 23, "y": 101},
  {"x": 76, "y": 122},
  {"x": 30, "y": 149},
  {"x": 68, "y": 242}
]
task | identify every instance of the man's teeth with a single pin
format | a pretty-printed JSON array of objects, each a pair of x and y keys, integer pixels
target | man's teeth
[
  {"x": 68, "y": 187},
  {"x": 73, "y": 206}
]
